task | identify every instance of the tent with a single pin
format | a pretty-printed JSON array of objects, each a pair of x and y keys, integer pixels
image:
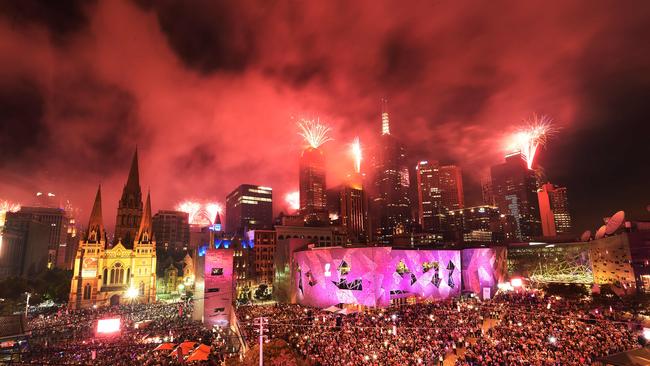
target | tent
[
  {"x": 332, "y": 309},
  {"x": 186, "y": 347},
  {"x": 347, "y": 311},
  {"x": 165, "y": 347},
  {"x": 201, "y": 353}
]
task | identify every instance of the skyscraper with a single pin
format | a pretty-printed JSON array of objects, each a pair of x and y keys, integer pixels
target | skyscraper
[
  {"x": 514, "y": 188},
  {"x": 354, "y": 209},
  {"x": 440, "y": 189},
  {"x": 129, "y": 209},
  {"x": 451, "y": 184},
  {"x": 249, "y": 207},
  {"x": 430, "y": 203},
  {"x": 59, "y": 223},
  {"x": 313, "y": 201},
  {"x": 554, "y": 210},
  {"x": 391, "y": 202}
]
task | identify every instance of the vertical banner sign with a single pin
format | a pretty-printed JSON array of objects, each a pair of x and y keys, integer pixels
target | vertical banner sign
[{"x": 218, "y": 292}]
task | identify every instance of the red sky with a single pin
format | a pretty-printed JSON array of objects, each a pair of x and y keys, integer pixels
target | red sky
[{"x": 210, "y": 92}]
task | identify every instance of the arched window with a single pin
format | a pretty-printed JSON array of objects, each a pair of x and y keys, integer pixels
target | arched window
[
  {"x": 141, "y": 288},
  {"x": 117, "y": 274},
  {"x": 128, "y": 275},
  {"x": 87, "y": 291},
  {"x": 105, "y": 277}
]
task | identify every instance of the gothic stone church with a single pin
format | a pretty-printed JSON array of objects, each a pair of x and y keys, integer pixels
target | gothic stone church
[{"x": 103, "y": 273}]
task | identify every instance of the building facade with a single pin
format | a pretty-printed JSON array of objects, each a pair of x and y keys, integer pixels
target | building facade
[
  {"x": 111, "y": 275},
  {"x": 554, "y": 210},
  {"x": 171, "y": 229},
  {"x": 313, "y": 199},
  {"x": 23, "y": 246},
  {"x": 249, "y": 207},
  {"x": 514, "y": 188}
]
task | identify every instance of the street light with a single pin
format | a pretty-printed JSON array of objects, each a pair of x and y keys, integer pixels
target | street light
[{"x": 132, "y": 293}]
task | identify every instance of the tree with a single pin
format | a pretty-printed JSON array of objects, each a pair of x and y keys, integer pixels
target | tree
[{"x": 276, "y": 353}]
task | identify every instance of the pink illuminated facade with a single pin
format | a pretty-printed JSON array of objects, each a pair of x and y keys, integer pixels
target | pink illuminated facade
[{"x": 381, "y": 276}]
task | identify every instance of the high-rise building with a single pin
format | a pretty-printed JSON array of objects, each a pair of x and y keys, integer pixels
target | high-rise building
[
  {"x": 129, "y": 209},
  {"x": 171, "y": 229},
  {"x": 514, "y": 188},
  {"x": 61, "y": 230},
  {"x": 354, "y": 209},
  {"x": 430, "y": 204},
  {"x": 23, "y": 245},
  {"x": 313, "y": 200},
  {"x": 391, "y": 212},
  {"x": 554, "y": 210},
  {"x": 451, "y": 185},
  {"x": 440, "y": 189},
  {"x": 249, "y": 207},
  {"x": 479, "y": 224}
]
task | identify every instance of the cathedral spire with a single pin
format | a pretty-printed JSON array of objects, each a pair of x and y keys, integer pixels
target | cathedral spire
[
  {"x": 145, "y": 233},
  {"x": 133, "y": 182},
  {"x": 385, "y": 123},
  {"x": 95, "y": 231}
]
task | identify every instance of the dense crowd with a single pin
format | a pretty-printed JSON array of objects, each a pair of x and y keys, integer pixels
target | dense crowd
[
  {"x": 68, "y": 337},
  {"x": 524, "y": 329}
]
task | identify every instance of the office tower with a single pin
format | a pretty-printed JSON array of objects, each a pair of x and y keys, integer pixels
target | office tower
[
  {"x": 249, "y": 207},
  {"x": 554, "y": 210},
  {"x": 23, "y": 245},
  {"x": 391, "y": 203},
  {"x": 451, "y": 185},
  {"x": 171, "y": 229},
  {"x": 430, "y": 203},
  {"x": 313, "y": 201},
  {"x": 486, "y": 191},
  {"x": 479, "y": 224},
  {"x": 61, "y": 231},
  {"x": 514, "y": 187},
  {"x": 129, "y": 209},
  {"x": 440, "y": 189},
  {"x": 354, "y": 209}
]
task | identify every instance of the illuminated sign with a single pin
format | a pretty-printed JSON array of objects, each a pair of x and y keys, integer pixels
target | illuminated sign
[{"x": 108, "y": 326}]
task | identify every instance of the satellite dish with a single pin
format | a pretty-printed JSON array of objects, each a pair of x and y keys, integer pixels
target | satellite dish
[
  {"x": 586, "y": 236},
  {"x": 601, "y": 232},
  {"x": 615, "y": 222}
]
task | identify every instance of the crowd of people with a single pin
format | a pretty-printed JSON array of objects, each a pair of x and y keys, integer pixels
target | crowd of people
[
  {"x": 68, "y": 337},
  {"x": 519, "y": 329},
  {"x": 511, "y": 329}
]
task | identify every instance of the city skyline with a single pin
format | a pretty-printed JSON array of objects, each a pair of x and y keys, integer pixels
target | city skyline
[{"x": 84, "y": 107}]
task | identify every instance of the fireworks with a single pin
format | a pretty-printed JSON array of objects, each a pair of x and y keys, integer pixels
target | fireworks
[
  {"x": 528, "y": 139},
  {"x": 6, "y": 206},
  {"x": 314, "y": 133},
  {"x": 356, "y": 151},
  {"x": 293, "y": 200},
  {"x": 200, "y": 214}
]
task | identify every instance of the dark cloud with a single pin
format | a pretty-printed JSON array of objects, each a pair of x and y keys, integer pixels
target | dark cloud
[
  {"x": 60, "y": 17},
  {"x": 208, "y": 36},
  {"x": 22, "y": 127}
]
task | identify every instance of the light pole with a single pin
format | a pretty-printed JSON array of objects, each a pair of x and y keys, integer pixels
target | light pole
[
  {"x": 261, "y": 321},
  {"x": 27, "y": 303}
]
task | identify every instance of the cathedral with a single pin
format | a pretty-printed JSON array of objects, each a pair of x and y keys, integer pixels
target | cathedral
[{"x": 126, "y": 271}]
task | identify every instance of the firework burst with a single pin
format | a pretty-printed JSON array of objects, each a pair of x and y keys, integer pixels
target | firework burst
[
  {"x": 314, "y": 132},
  {"x": 528, "y": 139},
  {"x": 293, "y": 200},
  {"x": 200, "y": 213},
  {"x": 356, "y": 152}
]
